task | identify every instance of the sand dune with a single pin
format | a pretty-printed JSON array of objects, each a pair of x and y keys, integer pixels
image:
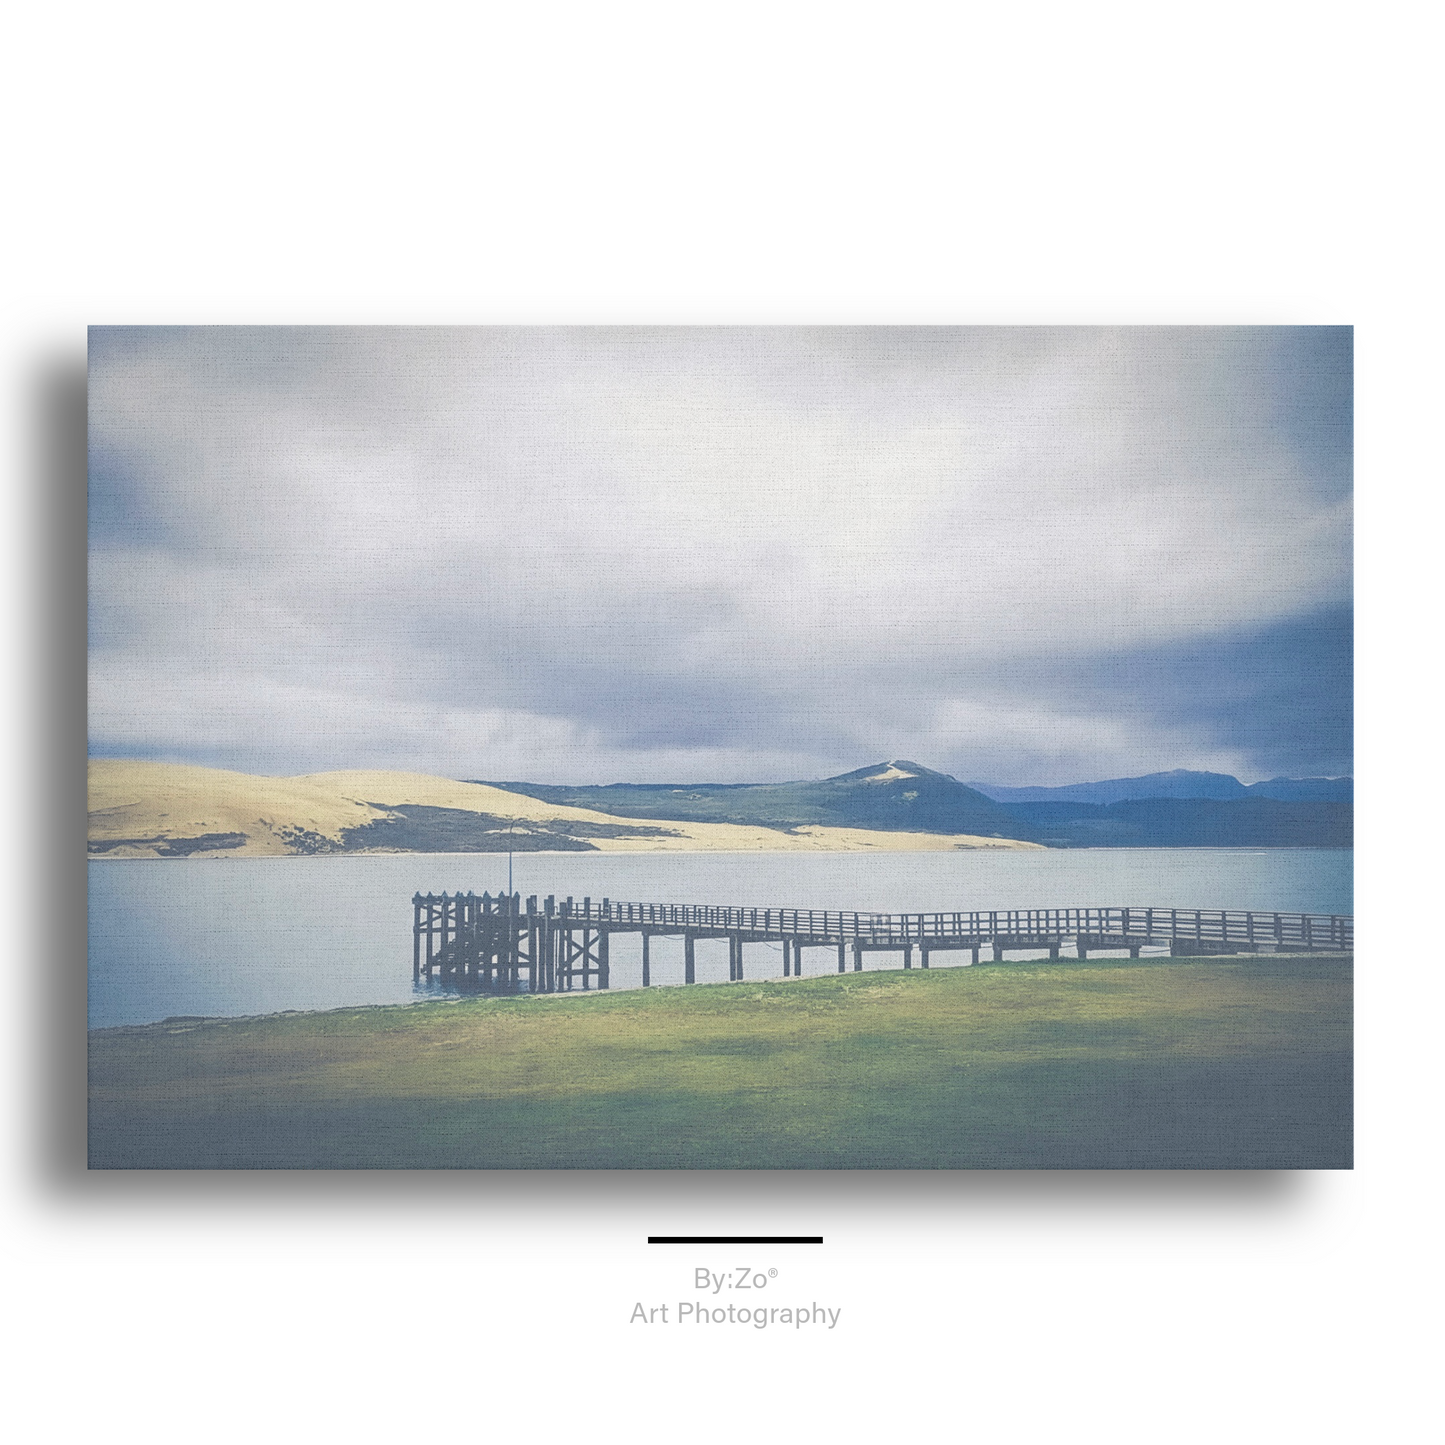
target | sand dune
[{"x": 151, "y": 810}]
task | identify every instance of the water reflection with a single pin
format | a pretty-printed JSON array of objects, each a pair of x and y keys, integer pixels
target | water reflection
[{"x": 459, "y": 985}]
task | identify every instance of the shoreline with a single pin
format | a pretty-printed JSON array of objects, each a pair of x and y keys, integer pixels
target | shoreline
[
  {"x": 187, "y": 1023},
  {"x": 1001, "y": 847}
]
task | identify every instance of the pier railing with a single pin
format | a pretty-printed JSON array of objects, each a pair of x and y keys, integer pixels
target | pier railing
[{"x": 1229, "y": 927}]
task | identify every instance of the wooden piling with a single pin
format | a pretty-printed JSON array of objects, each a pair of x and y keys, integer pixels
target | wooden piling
[
  {"x": 646, "y": 959},
  {"x": 689, "y": 958}
]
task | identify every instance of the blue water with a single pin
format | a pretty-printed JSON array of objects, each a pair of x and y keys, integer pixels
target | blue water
[{"x": 242, "y": 936}]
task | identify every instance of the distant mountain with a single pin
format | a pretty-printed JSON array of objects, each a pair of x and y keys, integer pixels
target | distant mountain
[
  {"x": 898, "y": 796},
  {"x": 1178, "y": 783},
  {"x": 1305, "y": 790},
  {"x": 1248, "y": 822}
]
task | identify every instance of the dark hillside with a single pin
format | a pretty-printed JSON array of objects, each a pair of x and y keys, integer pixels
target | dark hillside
[{"x": 896, "y": 797}]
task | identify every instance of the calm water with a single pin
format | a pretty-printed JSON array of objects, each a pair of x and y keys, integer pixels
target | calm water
[{"x": 258, "y": 935}]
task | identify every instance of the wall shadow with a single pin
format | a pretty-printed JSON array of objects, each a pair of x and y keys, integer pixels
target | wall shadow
[{"x": 53, "y": 868}]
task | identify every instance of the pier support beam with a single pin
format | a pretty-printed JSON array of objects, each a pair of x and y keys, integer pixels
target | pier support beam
[
  {"x": 997, "y": 952},
  {"x": 604, "y": 966},
  {"x": 842, "y": 958},
  {"x": 908, "y": 955},
  {"x": 689, "y": 958},
  {"x": 857, "y": 958},
  {"x": 922, "y": 956},
  {"x": 646, "y": 960},
  {"x": 1081, "y": 948}
]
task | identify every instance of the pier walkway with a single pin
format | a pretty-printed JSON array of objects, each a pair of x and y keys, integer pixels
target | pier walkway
[{"x": 502, "y": 942}]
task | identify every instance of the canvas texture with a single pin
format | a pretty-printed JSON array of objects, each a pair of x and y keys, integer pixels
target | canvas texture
[{"x": 720, "y": 747}]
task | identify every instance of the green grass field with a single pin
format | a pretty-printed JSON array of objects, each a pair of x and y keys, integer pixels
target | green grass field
[{"x": 1108, "y": 1063}]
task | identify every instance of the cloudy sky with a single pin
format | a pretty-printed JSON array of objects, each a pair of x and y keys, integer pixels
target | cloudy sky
[{"x": 594, "y": 554}]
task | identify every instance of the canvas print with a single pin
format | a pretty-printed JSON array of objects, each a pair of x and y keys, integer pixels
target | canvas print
[{"x": 720, "y": 747}]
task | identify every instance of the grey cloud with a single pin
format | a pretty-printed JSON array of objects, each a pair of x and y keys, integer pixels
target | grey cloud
[{"x": 575, "y": 550}]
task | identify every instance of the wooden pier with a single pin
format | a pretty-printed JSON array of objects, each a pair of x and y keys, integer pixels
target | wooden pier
[{"x": 501, "y": 943}]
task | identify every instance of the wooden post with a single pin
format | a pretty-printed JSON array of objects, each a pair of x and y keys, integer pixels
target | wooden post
[
  {"x": 689, "y": 959},
  {"x": 857, "y": 958},
  {"x": 842, "y": 958},
  {"x": 997, "y": 951},
  {"x": 908, "y": 955},
  {"x": 797, "y": 958},
  {"x": 646, "y": 959},
  {"x": 416, "y": 937},
  {"x": 604, "y": 959},
  {"x": 1081, "y": 948},
  {"x": 1054, "y": 949},
  {"x": 922, "y": 956},
  {"x": 974, "y": 952}
]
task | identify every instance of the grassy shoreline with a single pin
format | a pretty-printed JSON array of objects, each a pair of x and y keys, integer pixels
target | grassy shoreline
[{"x": 1103, "y": 1063}]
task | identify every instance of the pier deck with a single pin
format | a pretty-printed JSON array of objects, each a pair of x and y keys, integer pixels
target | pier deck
[{"x": 503, "y": 942}]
